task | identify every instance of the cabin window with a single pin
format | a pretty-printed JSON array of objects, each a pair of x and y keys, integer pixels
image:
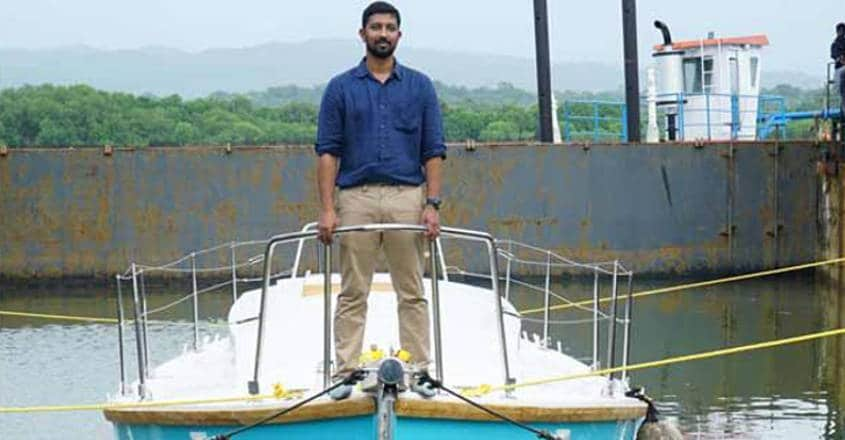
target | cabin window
[
  {"x": 755, "y": 62},
  {"x": 698, "y": 75}
]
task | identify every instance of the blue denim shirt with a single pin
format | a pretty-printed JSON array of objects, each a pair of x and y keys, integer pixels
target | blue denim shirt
[{"x": 382, "y": 133}]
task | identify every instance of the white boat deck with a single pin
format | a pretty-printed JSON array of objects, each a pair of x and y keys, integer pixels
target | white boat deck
[{"x": 292, "y": 353}]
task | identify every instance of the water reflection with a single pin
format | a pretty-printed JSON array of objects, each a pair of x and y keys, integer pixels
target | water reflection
[{"x": 794, "y": 391}]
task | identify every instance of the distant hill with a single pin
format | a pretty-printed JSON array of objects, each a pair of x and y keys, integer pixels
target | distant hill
[{"x": 164, "y": 71}]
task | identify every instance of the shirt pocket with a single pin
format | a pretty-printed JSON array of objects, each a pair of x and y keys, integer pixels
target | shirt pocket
[{"x": 407, "y": 116}]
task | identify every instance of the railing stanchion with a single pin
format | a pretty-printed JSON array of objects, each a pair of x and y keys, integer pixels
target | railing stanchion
[
  {"x": 500, "y": 315},
  {"x": 547, "y": 299},
  {"x": 120, "y": 337},
  {"x": 327, "y": 315},
  {"x": 444, "y": 272},
  {"x": 508, "y": 272},
  {"x": 611, "y": 337},
  {"x": 142, "y": 387},
  {"x": 435, "y": 312},
  {"x": 626, "y": 339},
  {"x": 195, "y": 301},
  {"x": 144, "y": 322},
  {"x": 252, "y": 385}
]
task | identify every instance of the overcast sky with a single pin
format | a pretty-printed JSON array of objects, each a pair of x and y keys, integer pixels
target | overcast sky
[{"x": 800, "y": 31}]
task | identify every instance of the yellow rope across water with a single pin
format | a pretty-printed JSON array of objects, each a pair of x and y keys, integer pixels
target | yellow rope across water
[
  {"x": 681, "y": 287},
  {"x": 678, "y": 288},
  {"x": 58, "y": 317},
  {"x": 674, "y": 360}
]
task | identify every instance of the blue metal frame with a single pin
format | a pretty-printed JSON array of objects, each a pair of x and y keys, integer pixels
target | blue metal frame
[{"x": 574, "y": 111}]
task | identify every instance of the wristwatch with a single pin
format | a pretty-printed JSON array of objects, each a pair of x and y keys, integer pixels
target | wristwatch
[{"x": 434, "y": 202}]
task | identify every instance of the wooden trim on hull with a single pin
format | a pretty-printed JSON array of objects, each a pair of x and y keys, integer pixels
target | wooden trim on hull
[
  {"x": 414, "y": 408},
  {"x": 456, "y": 410}
]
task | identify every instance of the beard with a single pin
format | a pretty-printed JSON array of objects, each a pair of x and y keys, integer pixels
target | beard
[{"x": 381, "y": 49}]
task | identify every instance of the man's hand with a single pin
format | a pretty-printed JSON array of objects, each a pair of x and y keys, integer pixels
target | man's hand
[
  {"x": 326, "y": 225},
  {"x": 431, "y": 220}
]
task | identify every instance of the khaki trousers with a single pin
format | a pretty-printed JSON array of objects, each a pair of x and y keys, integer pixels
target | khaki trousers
[{"x": 359, "y": 253}]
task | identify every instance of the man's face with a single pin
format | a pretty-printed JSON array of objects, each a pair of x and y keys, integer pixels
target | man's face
[
  {"x": 840, "y": 32},
  {"x": 381, "y": 35}
]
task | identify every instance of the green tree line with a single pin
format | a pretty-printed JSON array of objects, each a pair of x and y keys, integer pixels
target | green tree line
[{"x": 59, "y": 116}]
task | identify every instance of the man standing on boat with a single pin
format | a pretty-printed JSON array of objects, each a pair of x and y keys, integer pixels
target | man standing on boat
[
  {"x": 379, "y": 139},
  {"x": 837, "y": 52}
]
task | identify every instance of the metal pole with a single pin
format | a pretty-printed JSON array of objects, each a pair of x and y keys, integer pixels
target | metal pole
[
  {"x": 327, "y": 315},
  {"x": 629, "y": 306},
  {"x": 611, "y": 337},
  {"x": 544, "y": 75},
  {"x": 435, "y": 311},
  {"x": 144, "y": 323},
  {"x": 195, "y": 301},
  {"x": 707, "y": 100},
  {"x": 444, "y": 273},
  {"x": 595, "y": 318},
  {"x": 142, "y": 387},
  {"x": 120, "y": 337},
  {"x": 508, "y": 278},
  {"x": 827, "y": 90},
  {"x": 500, "y": 316},
  {"x": 546, "y": 303},
  {"x": 632, "y": 80},
  {"x": 682, "y": 116},
  {"x": 234, "y": 275},
  {"x": 265, "y": 287}
]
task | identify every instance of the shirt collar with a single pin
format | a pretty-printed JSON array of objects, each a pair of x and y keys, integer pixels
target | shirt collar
[{"x": 361, "y": 71}]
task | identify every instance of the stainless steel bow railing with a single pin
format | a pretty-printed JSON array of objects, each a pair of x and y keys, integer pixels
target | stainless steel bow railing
[
  {"x": 253, "y": 385},
  {"x": 254, "y": 266}
]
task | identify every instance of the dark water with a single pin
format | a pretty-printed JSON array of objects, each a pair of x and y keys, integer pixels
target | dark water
[{"x": 791, "y": 392}]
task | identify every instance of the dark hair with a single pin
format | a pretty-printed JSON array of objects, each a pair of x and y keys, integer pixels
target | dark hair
[
  {"x": 840, "y": 27},
  {"x": 379, "y": 8}
]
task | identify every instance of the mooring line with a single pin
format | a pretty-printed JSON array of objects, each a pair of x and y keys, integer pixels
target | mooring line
[
  {"x": 92, "y": 318},
  {"x": 676, "y": 359},
  {"x": 681, "y": 287},
  {"x": 58, "y": 317}
]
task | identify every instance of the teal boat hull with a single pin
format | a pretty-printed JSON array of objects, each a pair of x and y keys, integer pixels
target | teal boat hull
[{"x": 364, "y": 427}]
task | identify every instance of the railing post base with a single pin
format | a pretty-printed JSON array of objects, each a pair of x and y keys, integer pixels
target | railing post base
[{"x": 252, "y": 386}]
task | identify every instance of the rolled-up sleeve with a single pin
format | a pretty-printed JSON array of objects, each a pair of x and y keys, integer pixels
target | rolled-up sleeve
[
  {"x": 330, "y": 138},
  {"x": 433, "y": 143}
]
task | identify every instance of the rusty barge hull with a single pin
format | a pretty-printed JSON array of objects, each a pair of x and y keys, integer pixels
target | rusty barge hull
[{"x": 665, "y": 209}]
